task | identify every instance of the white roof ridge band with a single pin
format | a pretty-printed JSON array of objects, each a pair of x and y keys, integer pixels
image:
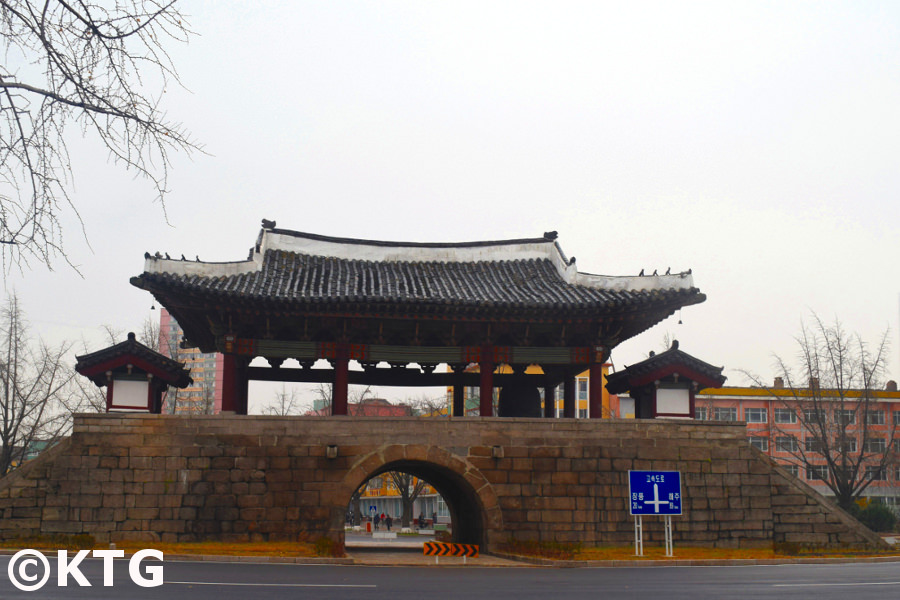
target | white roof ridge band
[{"x": 396, "y": 252}]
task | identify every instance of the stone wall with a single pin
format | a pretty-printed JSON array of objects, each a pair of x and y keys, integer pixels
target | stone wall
[{"x": 176, "y": 478}]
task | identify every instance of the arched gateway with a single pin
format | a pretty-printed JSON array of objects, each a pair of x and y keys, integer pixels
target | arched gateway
[
  {"x": 473, "y": 503},
  {"x": 517, "y": 302}
]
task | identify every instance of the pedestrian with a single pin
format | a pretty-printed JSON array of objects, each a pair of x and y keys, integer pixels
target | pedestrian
[
  {"x": 390, "y": 521},
  {"x": 421, "y": 520},
  {"x": 433, "y": 519},
  {"x": 377, "y": 520}
]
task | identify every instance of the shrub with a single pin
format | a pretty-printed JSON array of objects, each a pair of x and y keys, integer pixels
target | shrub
[{"x": 878, "y": 517}]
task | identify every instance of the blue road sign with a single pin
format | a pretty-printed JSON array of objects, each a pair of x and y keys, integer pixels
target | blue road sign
[
  {"x": 654, "y": 492},
  {"x": 372, "y": 508}
]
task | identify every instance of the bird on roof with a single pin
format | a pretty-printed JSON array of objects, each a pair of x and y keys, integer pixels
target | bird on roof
[
  {"x": 550, "y": 235},
  {"x": 641, "y": 274},
  {"x": 197, "y": 259},
  {"x": 182, "y": 257},
  {"x": 157, "y": 255},
  {"x": 168, "y": 257},
  {"x": 655, "y": 273},
  {"x": 147, "y": 255},
  {"x": 572, "y": 261},
  {"x": 267, "y": 224},
  {"x": 669, "y": 271}
]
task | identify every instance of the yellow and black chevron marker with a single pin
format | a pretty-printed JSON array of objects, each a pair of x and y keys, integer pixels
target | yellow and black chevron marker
[{"x": 445, "y": 549}]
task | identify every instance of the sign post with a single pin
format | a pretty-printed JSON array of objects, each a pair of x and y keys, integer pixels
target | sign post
[{"x": 653, "y": 493}]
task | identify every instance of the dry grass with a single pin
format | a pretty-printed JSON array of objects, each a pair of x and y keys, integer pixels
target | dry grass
[
  {"x": 72, "y": 543},
  {"x": 576, "y": 552},
  {"x": 289, "y": 549},
  {"x": 687, "y": 553}
]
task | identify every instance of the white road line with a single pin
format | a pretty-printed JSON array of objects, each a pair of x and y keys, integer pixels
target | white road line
[
  {"x": 305, "y": 585},
  {"x": 836, "y": 584}
]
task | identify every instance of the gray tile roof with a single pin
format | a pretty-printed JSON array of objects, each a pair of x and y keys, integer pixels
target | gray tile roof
[
  {"x": 709, "y": 375},
  {"x": 307, "y": 272}
]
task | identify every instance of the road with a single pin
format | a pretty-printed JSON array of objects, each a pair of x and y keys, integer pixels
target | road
[{"x": 239, "y": 581}]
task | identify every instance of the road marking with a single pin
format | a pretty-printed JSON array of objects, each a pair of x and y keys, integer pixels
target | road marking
[
  {"x": 835, "y": 584},
  {"x": 318, "y": 585}
]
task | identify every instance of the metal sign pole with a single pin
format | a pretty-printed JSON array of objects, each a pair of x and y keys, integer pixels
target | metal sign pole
[
  {"x": 668, "y": 525},
  {"x": 638, "y": 536}
]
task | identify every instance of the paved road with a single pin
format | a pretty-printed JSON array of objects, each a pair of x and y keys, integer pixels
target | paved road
[{"x": 236, "y": 581}]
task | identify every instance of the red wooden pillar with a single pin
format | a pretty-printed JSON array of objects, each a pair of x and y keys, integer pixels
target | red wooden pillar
[
  {"x": 487, "y": 381},
  {"x": 595, "y": 391},
  {"x": 459, "y": 391},
  {"x": 340, "y": 390},
  {"x": 229, "y": 383},
  {"x": 569, "y": 398},
  {"x": 550, "y": 401},
  {"x": 235, "y": 385},
  {"x": 242, "y": 385}
]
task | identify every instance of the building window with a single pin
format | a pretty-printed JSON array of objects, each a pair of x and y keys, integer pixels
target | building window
[
  {"x": 875, "y": 417},
  {"x": 876, "y": 445},
  {"x": 760, "y": 442},
  {"x": 897, "y": 473},
  {"x": 700, "y": 413},
  {"x": 725, "y": 414},
  {"x": 582, "y": 389},
  {"x": 846, "y": 416},
  {"x": 755, "y": 415},
  {"x": 786, "y": 443},
  {"x": 813, "y": 416},
  {"x": 897, "y": 418},
  {"x": 785, "y": 415},
  {"x": 817, "y": 472},
  {"x": 875, "y": 474},
  {"x": 848, "y": 446},
  {"x": 814, "y": 445},
  {"x": 582, "y": 413},
  {"x": 792, "y": 469}
]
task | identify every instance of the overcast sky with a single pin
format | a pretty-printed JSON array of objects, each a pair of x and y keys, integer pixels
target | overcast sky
[{"x": 755, "y": 143}]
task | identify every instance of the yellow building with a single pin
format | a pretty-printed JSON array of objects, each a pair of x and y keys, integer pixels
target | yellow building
[{"x": 582, "y": 393}]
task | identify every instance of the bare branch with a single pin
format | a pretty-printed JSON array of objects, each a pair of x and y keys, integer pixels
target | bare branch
[
  {"x": 843, "y": 427},
  {"x": 101, "y": 67}
]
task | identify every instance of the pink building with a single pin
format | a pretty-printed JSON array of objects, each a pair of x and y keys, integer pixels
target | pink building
[
  {"x": 369, "y": 407},
  {"x": 204, "y": 396},
  {"x": 776, "y": 424}
]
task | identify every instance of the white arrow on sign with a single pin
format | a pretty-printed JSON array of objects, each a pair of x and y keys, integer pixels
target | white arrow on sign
[{"x": 656, "y": 501}]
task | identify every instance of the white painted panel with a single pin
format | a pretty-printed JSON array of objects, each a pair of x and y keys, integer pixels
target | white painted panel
[
  {"x": 669, "y": 401},
  {"x": 130, "y": 394},
  {"x": 626, "y": 407}
]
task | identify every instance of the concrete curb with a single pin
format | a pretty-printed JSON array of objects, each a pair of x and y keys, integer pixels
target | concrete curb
[{"x": 676, "y": 562}]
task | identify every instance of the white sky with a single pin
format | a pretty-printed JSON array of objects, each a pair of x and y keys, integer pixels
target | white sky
[{"x": 756, "y": 143}]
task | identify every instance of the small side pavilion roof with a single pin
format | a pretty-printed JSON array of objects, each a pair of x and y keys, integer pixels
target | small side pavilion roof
[
  {"x": 662, "y": 366},
  {"x": 117, "y": 358}
]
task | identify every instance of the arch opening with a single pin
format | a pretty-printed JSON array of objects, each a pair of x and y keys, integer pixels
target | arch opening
[{"x": 463, "y": 505}]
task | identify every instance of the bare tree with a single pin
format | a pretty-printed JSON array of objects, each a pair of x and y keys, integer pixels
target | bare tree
[
  {"x": 323, "y": 394},
  {"x": 429, "y": 406},
  {"x": 833, "y": 392},
  {"x": 100, "y": 66},
  {"x": 409, "y": 487},
  {"x": 286, "y": 403},
  {"x": 34, "y": 378}
]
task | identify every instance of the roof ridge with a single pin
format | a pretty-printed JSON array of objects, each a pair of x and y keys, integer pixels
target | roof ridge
[{"x": 398, "y": 244}]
